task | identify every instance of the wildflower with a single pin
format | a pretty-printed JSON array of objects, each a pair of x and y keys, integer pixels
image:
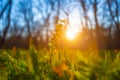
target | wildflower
[
  {"x": 60, "y": 69},
  {"x": 116, "y": 50},
  {"x": 14, "y": 51}
]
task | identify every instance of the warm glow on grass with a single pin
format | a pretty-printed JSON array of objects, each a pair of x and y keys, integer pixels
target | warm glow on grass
[{"x": 70, "y": 34}]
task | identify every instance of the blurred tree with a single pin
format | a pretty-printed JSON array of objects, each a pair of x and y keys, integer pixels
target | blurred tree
[
  {"x": 3, "y": 10},
  {"x": 83, "y": 4},
  {"x": 25, "y": 7},
  {"x": 114, "y": 10},
  {"x": 8, "y": 19},
  {"x": 94, "y": 4},
  {"x": 48, "y": 11},
  {"x": 58, "y": 12}
]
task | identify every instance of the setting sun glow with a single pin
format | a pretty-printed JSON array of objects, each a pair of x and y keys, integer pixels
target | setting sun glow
[
  {"x": 70, "y": 34},
  {"x": 74, "y": 26}
]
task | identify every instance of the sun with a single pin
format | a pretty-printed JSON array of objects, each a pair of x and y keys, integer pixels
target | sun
[
  {"x": 70, "y": 34},
  {"x": 74, "y": 26}
]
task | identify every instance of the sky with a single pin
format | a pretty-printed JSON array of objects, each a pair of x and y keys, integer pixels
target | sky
[{"x": 74, "y": 9}]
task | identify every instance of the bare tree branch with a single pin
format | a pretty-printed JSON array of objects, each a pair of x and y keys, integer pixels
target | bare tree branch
[{"x": 5, "y": 7}]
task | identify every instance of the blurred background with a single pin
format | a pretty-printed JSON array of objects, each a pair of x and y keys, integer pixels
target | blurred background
[{"x": 96, "y": 22}]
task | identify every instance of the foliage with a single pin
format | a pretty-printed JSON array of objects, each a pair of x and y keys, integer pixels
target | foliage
[
  {"x": 58, "y": 34},
  {"x": 59, "y": 65}
]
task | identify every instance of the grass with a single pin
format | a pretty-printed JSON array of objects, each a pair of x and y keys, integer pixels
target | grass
[{"x": 59, "y": 64}]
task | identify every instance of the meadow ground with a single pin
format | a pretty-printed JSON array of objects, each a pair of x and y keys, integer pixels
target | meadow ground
[{"x": 59, "y": 64}]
